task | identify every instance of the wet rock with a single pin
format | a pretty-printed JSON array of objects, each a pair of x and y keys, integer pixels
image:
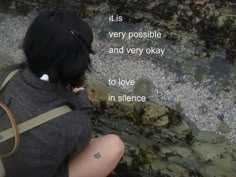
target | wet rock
[
  {"x": 215, "y": 171},
  {"x": 223, "y": 127},
  {"x": 161, "y": 122},
  {"x": 182, "y": 129},
  {"x": 200, "y": 2},
  {"x": 220, "y": 155},
  {"x": 206, "y": 154},
  {"x": 209, "y": 137},
  {"x": 180, "y": 155},
  {"x": 162, "y": 143},
  {"x": 170, "y": 169},
  {"x": 143, "y": 87},
  {"x": 203, "y": 19},
  {"x": 213, "y": 152},
  {"x": 148, "y": 113},
  {"x": 155, "y": 113},
  {"x": 13, "y": 6},
  {"x": 138, "y": 17},
  {"x": 221, "y": 21},
  {"x": 220, "y": 116}
]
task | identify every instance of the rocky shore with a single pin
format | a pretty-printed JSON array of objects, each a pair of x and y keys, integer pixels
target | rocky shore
[
  {"x": 159, "y": 143},
  {"x": 191, "y": 90}
]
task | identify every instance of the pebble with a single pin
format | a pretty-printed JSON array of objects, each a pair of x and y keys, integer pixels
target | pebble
[{"x": 221, "y": 116}]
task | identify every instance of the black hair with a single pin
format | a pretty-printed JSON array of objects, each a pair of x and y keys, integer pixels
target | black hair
[{"x": 58, "y": 43}]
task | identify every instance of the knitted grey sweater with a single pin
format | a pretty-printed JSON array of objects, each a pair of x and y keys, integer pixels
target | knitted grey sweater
[{"x": 45, "y": 150}]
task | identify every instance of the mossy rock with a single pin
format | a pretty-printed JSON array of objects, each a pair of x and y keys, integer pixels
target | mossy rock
[
  {"x": 216, "y": 171},
  {"x": 147, "y": 113},
  {"x": 144, "y": 87}
]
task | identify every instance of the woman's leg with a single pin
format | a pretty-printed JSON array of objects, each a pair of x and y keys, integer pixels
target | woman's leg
[{"x": 99, "y": 158}]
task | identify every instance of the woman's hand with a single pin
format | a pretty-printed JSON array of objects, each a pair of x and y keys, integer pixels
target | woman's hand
[
  {"x": 74, "y": 89},
  {"x": 77, "y": 89}
]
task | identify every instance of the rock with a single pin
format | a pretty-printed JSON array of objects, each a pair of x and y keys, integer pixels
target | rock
[
  {"x": 200, "y": 2},
  {"x": 167, "y": 168},
  {"x": 215, "y": 171},
  {"x": 182, "y": 129},
  {"x": 198, "y": 18},
  {"x": 161, "y": 122},
  {"x": 209, "y": 137},
  {"x": 220, "y": 116},
  {"x": 219, "y": 159},
  {"x": 152, "y": 5},
  {"x": 221, "y": 21},
  {"x": 13, "y": 6},
  {"x": 138, "y": 17},
  {"x": 154, "y": 113},
  {"x": 180, "y": 155},
  {"x": 216, "y": 152},
  {"x": 148, "y": 113},
  {"x": 143, "y": 87},
  {"x": 223, "y": 128}
]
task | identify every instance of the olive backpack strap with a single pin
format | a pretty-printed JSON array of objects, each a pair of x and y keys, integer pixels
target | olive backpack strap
[
  {"x": 36, "y": 121},
  {"x": 8, "y": 78},
  {"x": 27, "y": 125},
  {"x": 10, "y": 115}
]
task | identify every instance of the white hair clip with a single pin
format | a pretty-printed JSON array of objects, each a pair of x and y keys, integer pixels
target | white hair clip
[{"x": 45, "y": 77}]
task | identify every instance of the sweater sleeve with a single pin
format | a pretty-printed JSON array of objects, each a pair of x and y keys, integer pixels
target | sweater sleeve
[{"x": 83, "y": 103}]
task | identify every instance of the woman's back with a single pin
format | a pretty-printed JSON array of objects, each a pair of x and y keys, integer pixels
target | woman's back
[
  {"x": 44, "y": 150},
  {"x": 57, "y": 47}
]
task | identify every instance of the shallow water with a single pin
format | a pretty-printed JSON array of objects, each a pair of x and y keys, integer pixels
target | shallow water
[
  {"x": 179, "y": 57},
  {"x": 186, "y": 77}
]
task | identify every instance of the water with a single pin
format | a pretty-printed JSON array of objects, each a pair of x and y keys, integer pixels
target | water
[
  {"x": 188, "y": 76},
  {"x": 181, "y": 57}
]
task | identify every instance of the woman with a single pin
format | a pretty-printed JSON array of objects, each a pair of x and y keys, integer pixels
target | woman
[{"x": 57, "y": 47}]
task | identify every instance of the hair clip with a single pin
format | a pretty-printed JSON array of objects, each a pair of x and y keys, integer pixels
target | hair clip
[
  {"x": 75, "y": 33},
  {"x": 44, "y": 77}
]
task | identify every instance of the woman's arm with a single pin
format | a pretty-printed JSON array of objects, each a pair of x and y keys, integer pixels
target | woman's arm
[{"x": 83, "y": 102}]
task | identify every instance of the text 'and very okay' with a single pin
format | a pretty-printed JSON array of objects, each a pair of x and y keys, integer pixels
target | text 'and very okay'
[{"x": 139, "y": 51}]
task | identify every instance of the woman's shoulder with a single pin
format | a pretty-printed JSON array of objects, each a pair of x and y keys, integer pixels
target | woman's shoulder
[{"x": 5, "y": 71}]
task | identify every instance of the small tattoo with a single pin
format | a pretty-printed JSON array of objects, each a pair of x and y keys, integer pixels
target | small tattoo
[{"x": 97, "y": 155}]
